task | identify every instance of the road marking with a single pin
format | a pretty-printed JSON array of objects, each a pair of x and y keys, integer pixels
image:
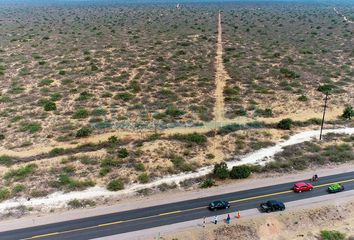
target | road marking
[
  {"x": 261, "y": 196},
  {"x": 178, "y": 211},
  {"x": 44, "y": 235},
  {"x": 169, "y": 213},
  {"x": 108, "y": 224}
]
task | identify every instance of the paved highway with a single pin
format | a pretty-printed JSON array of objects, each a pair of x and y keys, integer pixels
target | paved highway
[{"x": 143, "y": 218}]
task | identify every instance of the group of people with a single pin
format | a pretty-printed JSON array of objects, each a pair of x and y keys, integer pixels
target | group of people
[{"x": 216, "y": 219}]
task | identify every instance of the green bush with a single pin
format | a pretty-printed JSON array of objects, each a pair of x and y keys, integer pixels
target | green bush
[
  {"x": 348, "y": 113},
  {"x": 124, "y": 96},
  {"x": 111, "y": 162},
  {"x": 191, "y": 138},
  {"x": 113, "y": 140},
  {"x": 181, "y": 164},
  {"x": 4, "y": 194},
  {"x": 81, "y": 113},
  {"x": 264, "y": 112},
  {"x": 84, "y": 96},
  {"x": 99, "y": 112},
  {"x": 144, "y": 178},
  {"x": 104, "y": 171},
  {"x": 18, "y": 188},
  {"x": 45, "y": 82},
  {"x": 49, "y": 106},
  {"x": 65, "y": 181},
  {"x": 21, "y": 172},
  {"x": 332, "y": 235},
  {"x": 221, "y": 170},
  {"x": 173, "y": 111},
  {"x": 326, "y": 88},
  {"x": 30, "y": 127},
  {"x": 123, "y": 153},
  {"x": 239, "y": 172},
  {"x": 289, "y": 73},
  {"x": 285, "y": 124},
  {"x": 139, "y": 167},
  {"x": 55, "y": 97},
  {"x": 302, "y": 98},
  {"x": 230, "y": 128},
  {"x": 56, "y": 152},
  {"x": 75, "y": 203},
  {"x": 83, "y": 132},
  {"x": 115, "y": 185},
  {"x": 5, "y": 160},
  {"x": 207, "y": 183}
]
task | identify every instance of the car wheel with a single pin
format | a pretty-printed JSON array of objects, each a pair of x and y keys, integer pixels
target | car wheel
[
  {"x": 311, "y": 189},
  {"x": 282, "y": 209},
  {"x": 268, "y": 211}
]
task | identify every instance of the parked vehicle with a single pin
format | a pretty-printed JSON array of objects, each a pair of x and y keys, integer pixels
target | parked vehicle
[
  {"x": 302, "y": 187},
  {"x": 334, "y": 188},
  {"x": 272, "y": 206},
  {"x": 217, "y": 205}
]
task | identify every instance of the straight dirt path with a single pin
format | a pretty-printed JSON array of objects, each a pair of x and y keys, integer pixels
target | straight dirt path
[{"x": 220, "y": 78}]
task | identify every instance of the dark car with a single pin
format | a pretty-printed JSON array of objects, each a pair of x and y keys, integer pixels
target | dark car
[
  {"x": 216, "y": 205},
  {"x": 272, "y": 206}
]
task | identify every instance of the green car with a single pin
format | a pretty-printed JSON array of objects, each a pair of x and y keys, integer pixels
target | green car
[{"x": 334, "y": 188}]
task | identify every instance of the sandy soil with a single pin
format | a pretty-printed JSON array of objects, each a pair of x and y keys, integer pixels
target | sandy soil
[{"x": 331, "y": 114}]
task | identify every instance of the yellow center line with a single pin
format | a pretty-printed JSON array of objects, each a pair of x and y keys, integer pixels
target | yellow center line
[
  {"x": 108, "y": 224},
  {"x": 176, "y": 212},
  {"x": 169, "y": 213},
  {"x": 44, "y": 235},
  {"x": 261, "y": 196}
]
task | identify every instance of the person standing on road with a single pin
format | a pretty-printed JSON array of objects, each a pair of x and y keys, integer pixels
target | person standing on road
[
  {"x": 228, "y": 219},
  {"x": 216, "y": 219}
]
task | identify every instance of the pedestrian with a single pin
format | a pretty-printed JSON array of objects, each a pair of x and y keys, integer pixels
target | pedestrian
[
  {"x": 228, "y": 219},
  {"x": 204, "y": 222},
  {"x": 216, "y": 219}
]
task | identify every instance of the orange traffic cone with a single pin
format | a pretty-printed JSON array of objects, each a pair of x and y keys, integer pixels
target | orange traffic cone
[{"x": 238, "y": 214}]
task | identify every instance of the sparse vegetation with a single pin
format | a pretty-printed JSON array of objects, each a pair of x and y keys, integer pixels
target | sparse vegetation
[
  {"x": 332, "y": 235},
  {"x": 285, "y": 124},
  {"x": 348, "y": 113},
  {"x": 115, "y": 185},
  {"x": 20, "y": 173},
  {"x": 239, "y": 172},
  {"x": 221, "y": 170},
  {"x": 75, "y": 203},
  {"x": 191, "y": 138},
  {"x": 83, "y": 132},
  {"x": 207, "y": 183}
]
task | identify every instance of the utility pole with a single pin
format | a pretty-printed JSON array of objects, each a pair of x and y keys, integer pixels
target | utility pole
[{"x": 324, "y": 113}]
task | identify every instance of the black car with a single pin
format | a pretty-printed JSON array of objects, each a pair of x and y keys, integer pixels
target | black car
[
  {"x": 272, "y": 206},
  {"x": 216, "y": 205}
]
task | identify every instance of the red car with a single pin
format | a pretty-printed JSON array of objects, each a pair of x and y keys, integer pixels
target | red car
[{"x": 302, "y": 187}]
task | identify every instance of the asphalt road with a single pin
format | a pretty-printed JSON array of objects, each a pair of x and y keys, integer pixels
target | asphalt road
[{"x": 143, "y": 218}]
